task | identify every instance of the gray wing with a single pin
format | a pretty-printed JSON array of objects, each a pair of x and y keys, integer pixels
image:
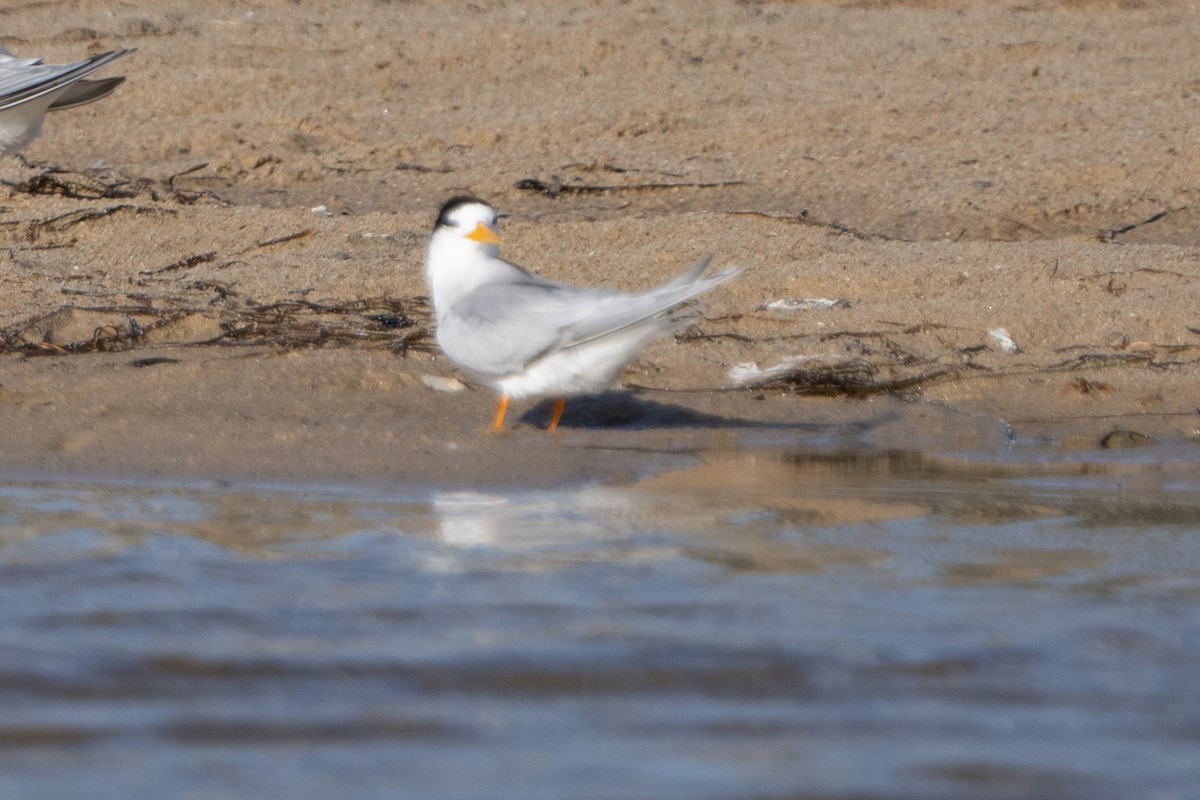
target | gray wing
[
  {"x": 22, "y": 80},
  {"x": 501, "y": 328},
  {"x": 86, "y": 91},
  {"x": 660, "y": 303}
]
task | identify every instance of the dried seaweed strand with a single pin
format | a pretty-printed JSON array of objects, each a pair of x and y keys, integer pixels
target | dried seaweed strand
[
  {"x": 286, "y": 238},
  {"x": 183, "y": 263},
  {"x": 554, "y": 188},
  {"x": 64, "y": 221}
]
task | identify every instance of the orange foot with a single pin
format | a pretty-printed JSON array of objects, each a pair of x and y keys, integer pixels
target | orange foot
[
  {"x": 559, "y": 406},
  {"x": 498, "y": 422}
]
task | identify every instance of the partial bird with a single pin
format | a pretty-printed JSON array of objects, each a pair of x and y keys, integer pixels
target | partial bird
[
  {"x": 530, "y": 337},
  {"x": 29, "y": 89}
]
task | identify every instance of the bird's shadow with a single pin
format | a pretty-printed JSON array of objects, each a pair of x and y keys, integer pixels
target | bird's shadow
[{"x": 625, "y": 410}]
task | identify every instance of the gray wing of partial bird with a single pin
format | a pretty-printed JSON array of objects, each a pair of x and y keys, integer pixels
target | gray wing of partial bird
[
  {"x": 22, "y": 80},
  {"x": 503, "y": 327},
  {"x": 86, "y": 91}
]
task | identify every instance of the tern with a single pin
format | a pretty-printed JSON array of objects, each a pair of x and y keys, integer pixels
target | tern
[{"x": 530, "y": 337}]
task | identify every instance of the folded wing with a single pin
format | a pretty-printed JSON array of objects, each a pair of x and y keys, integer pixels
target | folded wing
[
  {"x": 23, "y": 80},
  {"x": 502, "y": 328}
]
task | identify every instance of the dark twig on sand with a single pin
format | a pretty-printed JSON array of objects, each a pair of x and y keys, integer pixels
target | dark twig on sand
[
  {"x": 555, "y": 187},
  {"x": 290, "y": 237},
  {"x": 183, "y": 263},
  {"x": 803, "y": 218},
  {"x": 64, "y": 221},
  {"x": 1111, "y": 234}
]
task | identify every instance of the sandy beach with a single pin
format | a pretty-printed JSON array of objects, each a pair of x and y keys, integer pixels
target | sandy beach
[{"x": 964, "y": 224}]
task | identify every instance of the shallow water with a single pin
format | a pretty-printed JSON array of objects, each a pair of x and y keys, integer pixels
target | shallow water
[{"x": 759, "y": 626}]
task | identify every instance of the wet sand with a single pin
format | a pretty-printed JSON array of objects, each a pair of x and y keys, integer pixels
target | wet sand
[{"x": 239, "y": 230}]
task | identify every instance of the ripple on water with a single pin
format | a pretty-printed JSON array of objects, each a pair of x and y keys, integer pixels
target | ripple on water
[{"x": 861, "y": 624}]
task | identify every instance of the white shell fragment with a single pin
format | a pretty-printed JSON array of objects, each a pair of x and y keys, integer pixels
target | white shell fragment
[
  {"x": 750, "y": 374},
  {"x": 791, "y": 305},
  {"x": 440, "y": 384},
  {"x": 1003, "y": 341}
]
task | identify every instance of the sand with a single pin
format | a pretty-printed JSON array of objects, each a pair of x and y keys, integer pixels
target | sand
[{"x": 216, "y": 272}]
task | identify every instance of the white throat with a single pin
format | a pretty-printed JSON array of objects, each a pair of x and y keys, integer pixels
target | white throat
[{"x": 455, "y": 265}]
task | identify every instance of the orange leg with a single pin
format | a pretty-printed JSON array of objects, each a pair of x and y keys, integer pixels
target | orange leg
[
  {"x": 559, "y": 406},
  {"x": 498, "y": 422}
]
